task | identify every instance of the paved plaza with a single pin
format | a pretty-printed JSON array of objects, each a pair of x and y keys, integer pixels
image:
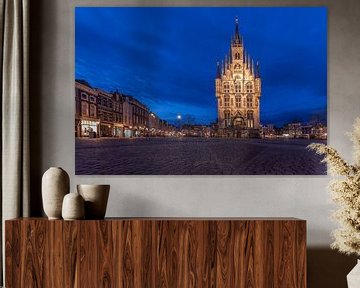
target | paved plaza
[{"x": 195, "y": 156}]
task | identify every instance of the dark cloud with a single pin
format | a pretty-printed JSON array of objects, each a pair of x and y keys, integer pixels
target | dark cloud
[{"x": 166, "y": 57}]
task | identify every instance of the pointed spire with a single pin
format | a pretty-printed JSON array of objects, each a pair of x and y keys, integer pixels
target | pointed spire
[
  {"x": 247, "y": 60},
  {"x": 218, "y": 70},
  {"x": 252, "y": 66},
  {"x": 223, "y": 67},
  {"x": 244, "y": 56},
  {"x": 257, "y": 70},
  {"x": 237, "y": 34},
  {"x": 237, "y": 38}
]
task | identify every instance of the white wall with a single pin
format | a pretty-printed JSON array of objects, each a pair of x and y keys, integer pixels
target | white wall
[{"x": 306, "y": 197}]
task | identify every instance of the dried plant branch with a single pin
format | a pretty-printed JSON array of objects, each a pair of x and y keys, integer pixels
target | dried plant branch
[
  {"x": 345, "y": 192},
  {"x": 337, "y": 165}
]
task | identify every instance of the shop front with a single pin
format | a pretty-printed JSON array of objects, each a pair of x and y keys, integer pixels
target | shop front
[
  {"x": 128, "y": 133},
  {"x": 106, "y": 130},
  {"x": 89, "y": 128},
  {"x": 118, "y": 131}
]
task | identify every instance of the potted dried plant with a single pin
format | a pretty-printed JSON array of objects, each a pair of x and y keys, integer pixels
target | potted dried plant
[{"x": 345, "y": 192}]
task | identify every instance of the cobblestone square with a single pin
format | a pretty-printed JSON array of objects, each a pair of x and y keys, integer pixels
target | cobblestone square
[{"x": 195, "y": 156}]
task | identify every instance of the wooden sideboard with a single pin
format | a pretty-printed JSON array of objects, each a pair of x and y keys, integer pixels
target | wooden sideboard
[{"x": 156, "y": 252}]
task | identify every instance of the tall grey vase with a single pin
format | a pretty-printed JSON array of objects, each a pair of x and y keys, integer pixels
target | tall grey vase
[
  {"x": 55, "y": 185},
  {"x": 353, "y": 278}
]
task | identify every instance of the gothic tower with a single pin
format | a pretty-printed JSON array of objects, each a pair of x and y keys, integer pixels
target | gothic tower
[{"x": 238, "y": 91}]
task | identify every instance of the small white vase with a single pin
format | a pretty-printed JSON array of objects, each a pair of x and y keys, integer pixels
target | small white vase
[
  {"x": 96, "y": 198},
  {"x": 73, "y": 207},
  {"x": 353, "y": 278},
  {"x": 55, "y": 185}
]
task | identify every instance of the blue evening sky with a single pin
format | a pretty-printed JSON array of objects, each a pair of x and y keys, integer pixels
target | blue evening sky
[{"x": 166, "y": 57}]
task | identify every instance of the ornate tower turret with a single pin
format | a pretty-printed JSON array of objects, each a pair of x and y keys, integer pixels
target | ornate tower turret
[
  {"x": 257, "y": 70},
  {"x": 257, "y": 80},
  {"x": 218, "y": 71},
  {"x": 218, "y": 78}
]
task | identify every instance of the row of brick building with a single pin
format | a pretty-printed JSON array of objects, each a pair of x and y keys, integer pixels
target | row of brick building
[{"x": 103, "y": 114}]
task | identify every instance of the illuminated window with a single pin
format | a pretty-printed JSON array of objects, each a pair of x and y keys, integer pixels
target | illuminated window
[
  {"x": 237, "y": 88},
  {"x": 249, "y": 88},
  {"x": 249, "y": 101},
  {"x": 227, "y": 118},
  {"x": 250, "y": 119},
  {"x": 237, "y": 56},
  {"x": 238, "y": 101},
  {"x": 226, "y": 101}
]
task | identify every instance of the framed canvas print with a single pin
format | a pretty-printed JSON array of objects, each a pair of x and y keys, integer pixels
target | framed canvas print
[{"x": 200, "y": 90}]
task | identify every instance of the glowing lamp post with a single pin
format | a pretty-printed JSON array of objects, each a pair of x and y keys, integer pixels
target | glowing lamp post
[{"x": 178, "y": 118}]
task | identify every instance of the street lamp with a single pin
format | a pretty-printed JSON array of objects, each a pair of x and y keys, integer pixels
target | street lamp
[{"x": 178, "y": 117}]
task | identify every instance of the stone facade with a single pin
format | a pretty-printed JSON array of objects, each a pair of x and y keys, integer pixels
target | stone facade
[{"x": 238, "y": 91}]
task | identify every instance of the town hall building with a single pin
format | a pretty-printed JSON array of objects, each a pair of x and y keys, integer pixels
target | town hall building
[{"x": 238, "y": 91}]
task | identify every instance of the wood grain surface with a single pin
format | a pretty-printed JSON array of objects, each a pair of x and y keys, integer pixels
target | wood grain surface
[{"x": 157, "y": 253}]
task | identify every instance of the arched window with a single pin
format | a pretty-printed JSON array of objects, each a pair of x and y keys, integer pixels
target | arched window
[
  {"x": 227, "y": 118},
  {"x": 226, "y": 88},
  {"x": 220, "y": 102},
  {"x": 250, "y": 119},
  {"x": 249, "y": 101},
  {"x": 237, "y": 56},
  {"x": 249, "y": 87},
  {"x": 237, "y": 87},
  {"x": 226, "y": 101},
  {"x": 238, "y": 101}
]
